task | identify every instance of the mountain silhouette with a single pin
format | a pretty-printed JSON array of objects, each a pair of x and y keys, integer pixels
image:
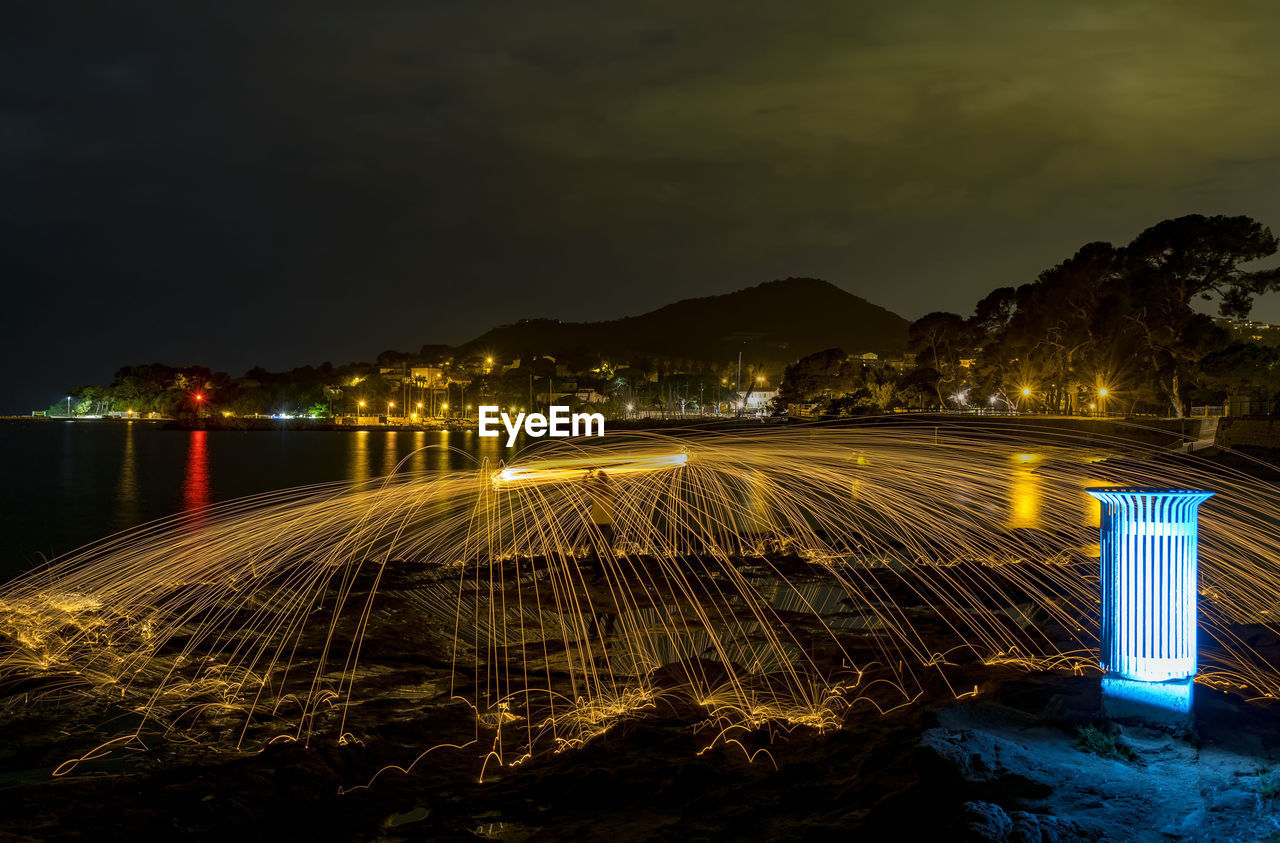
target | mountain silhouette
[{"x": 777, "y": 321}]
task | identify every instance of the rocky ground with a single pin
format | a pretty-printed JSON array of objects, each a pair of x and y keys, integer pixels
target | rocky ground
[
  {"x": 1023, "y": 757},
  {"x": 1006, "y": 765}
]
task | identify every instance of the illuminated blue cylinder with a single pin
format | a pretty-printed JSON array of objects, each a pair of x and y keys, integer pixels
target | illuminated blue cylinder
[{"x": 1149, "y": 545}]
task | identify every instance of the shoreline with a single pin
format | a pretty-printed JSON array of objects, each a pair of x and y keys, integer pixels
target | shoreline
[{"x": 1257, "y": 437}]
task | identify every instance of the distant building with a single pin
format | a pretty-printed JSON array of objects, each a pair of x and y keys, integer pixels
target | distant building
[
  {"x": 589, "y": 396},
  {"x": 427, "y": 375},
  {"x": 869, "y": 360},
  {"x": 756, "y": 399}
]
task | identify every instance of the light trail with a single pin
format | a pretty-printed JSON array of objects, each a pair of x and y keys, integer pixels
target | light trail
[
  {"x": 569, "y": 469},
  {"x": 770, "y": 580}
]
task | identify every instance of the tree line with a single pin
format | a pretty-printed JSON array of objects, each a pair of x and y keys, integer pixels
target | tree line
[
  {"x": 1111, "y": 325},
  {"x": 365, "y": 389}
]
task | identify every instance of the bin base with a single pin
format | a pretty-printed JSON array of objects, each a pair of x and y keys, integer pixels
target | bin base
[{"x": 1162, "y": 704}]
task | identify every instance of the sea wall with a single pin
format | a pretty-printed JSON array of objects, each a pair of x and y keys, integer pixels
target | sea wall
[
  {"x": 1159, "y": 433},
  {"x": 1249, "y": 433}
]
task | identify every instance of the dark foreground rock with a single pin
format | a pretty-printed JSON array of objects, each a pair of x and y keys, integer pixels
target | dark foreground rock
[{"x": 1006, "y": 766}]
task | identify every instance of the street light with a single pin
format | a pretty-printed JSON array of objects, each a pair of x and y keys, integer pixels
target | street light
[{"x": 68, "y": 406}]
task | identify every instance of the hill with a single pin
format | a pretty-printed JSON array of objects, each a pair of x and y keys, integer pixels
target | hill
[{"x": 777, "y": 321}]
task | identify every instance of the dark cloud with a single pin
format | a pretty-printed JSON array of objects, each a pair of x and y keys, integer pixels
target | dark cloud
[{"x": 280, "y": 183}]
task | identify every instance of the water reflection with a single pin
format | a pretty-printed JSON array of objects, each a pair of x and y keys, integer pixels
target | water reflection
[
  {"x": 419, "y": 461},
  {"x": 359, "y": 469},
  {"x": 1026, "y": 493},
  {"x": 490, "y": 450},
  {"x": 126, "y": 509},
  {"x": 1091, "y": 505},
  {"x": 1033, "y": 480},
  {"x": 197, "y": 492},
  {"x": 440, "y": 459},
  {"x": 390, "y": 453}
]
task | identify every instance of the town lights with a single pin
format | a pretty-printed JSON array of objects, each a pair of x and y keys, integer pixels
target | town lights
[{"x": 1149, "y": 543}]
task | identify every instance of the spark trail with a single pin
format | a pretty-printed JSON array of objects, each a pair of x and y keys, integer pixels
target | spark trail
[{"x": 775, "y": 579}]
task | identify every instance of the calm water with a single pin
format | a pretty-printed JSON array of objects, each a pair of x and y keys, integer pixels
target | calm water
[{"x": 70, "y": 483}]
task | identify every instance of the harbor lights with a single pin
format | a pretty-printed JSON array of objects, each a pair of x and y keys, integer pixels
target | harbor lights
[{"x": 1147, "y": 647}]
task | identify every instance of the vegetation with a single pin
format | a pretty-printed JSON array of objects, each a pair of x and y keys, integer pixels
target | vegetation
[
  {"x": 1093, "y": 740},
  {"x": 389, "y": 387},
  {"x": 1111, "y": 329},
  {"x": 1268, "y": 787}
]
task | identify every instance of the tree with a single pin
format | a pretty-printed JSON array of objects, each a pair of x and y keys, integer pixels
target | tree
[
  {"x": 1191, "y": 257},
  {"x": 1243, "y": 367},
  {"x": 823, "y": 374},
  {"x": 1055, "y": 326},
  {"x": 883, "y": 391},
  {"x": 992, "y": 315},
  {"x": 942, "y": 339}
]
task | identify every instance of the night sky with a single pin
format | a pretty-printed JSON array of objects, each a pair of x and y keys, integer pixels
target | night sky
[{"x": 278, "y": 183}]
